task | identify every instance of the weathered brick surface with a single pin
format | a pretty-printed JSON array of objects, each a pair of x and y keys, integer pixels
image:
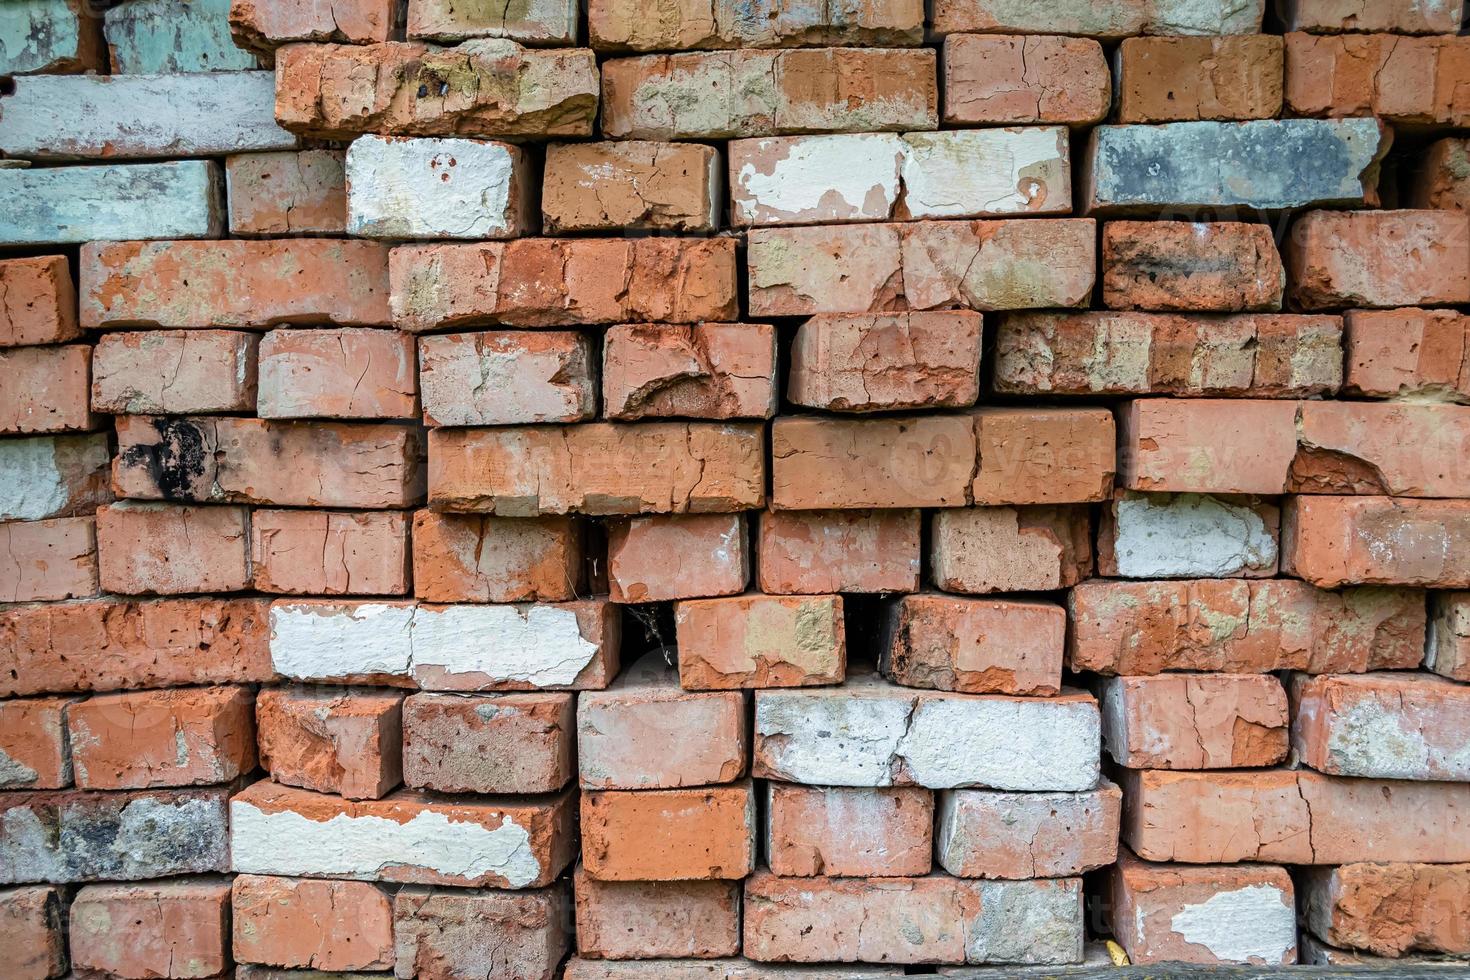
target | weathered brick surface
[
  {"x": 44, "y": 389},
  {"x": 287, "y": 193},
  {"x": 336, "y": 91},
  {"x": 704, "y": 834},
  {"x": 631, "y": 184},
  {"x": 1342, "y": 906},
  {"x": 1221, "y": 267},
  {"x": 1169, "y": 79},
  {"x": 479, "y": 558},
  {"x": 811, "y": 90},
  {"x": 1187, "y": 721},
  {"x": 707, "y": 371},
  {"x": 52, "y": 206},
  {"x": 454, "y": 932},
  {"x": 1334, "y": 541},
  {"x": 713, "y": 549},
  {"x": 756, "y": 641},
  {"x": 1408, "y": 81},
  {"x": 145, "y": 739},
  {"x": 47, "y": 560},
  {"x": 298, "y": 922},
  {"x": 537, "y": 22},
  {"x": 144, "y": 930},
  {"x": 32, "y": 919},
  {"x": 1444, "y": 177},
  {"x": 347, "y": 373},
  {"x": 1381, "y": 725},
  {"x": 975, "y": 646},
  {"x": 1379, "y": 259},
  {"x": 265, "y": 26},
  {"x": 1098, "y": 18},
  {"x": 174, "y": 372},
  {"x": 876, "y": 362},
  {"x": 40, "y": 305},
  {"x": 166, "y": 549},
  {"x": 563, "y": 282},
  {"x": 849, "y": 832},
  {"x": 994, "y": 78},
  {"x": 1188, "y": 535},
  {"x": 156, "y": 37},
  {"x": 1398, "y": 16},
  {"x": 302, "y": 552},
  {"x": 1396, "y": 353},
  {"x": 506, "y": 377},
  {"x": 53, "y": 476},
  {"x": 1447, "y": 651},
  {"x": 1010, "y": 549},
  {"x": 812, "y": 552},
  {"x": 640, "y": 919},
  {"x": 347, "y": 744},
  {"x": 33, "y": 743},
  {"x": 625, "y": 25},
  {"x": 988, "y": 834},
  {"x": 498, "y": 743},
  {"x": 52, "y": 36}
]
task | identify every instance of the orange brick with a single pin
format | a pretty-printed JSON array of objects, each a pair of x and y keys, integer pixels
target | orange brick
[
  {"x": 811, "y": 90},
  {"x": 815, "y": 552},
  {"x": 1010, "y": 549},
  {"x": 630, "y": 184},
  {"x": 45, "y": 389},
  {"x": 1224, "y": 266},
  {"x": 234, "y": 283},
  {"x": 348, "y": 744},
  {"x": 32, "y": 923},
  {"x": 876, "y": 362},
  {"x": 146, "y": 739},
  {"x": 33, "y": 744},
  {"x": 150, "y": 929},
  {"x": 445, "y": 933},
  {"x": 858, "y": 832},
  {"x": 154, "y": 548},
  {"x": 624, "y": 920},
  {"x": 53, "y": 476},
  {"x": 1390, "y": 725},
  {"x": 40, "y": 305},
  {"x": 323, "y": 925},
  {"x": 994, "y": 78},
  {"x": 758, "y": 641},
  {"x": 625, "y": 25},
  {"x": 544, "y": 282},
  {"x": 1408, "y": 81},
  {"x": 1392, "y": 353},
  {"x": 634, "y": 734},
  {"x": 598, "y": 468},
  {"x": 348, "y": 373},
  {"x": 313, "y": 552},
  {"x": 1170, "y": 79},
  {"x": 505, "y": 377},
  {"x": 1195, "y": 721},
  {"x": 975, "y": 646},
  {"x": 498, "y": 743},
  {"x": 706, "y": 371},
  {"x": 984, "y": 833},
  {"x": 1043, "y": 455},
  {"x": 1443, "y": 181},
  {"x": 1379, "y": 259},
  {"x": 1241, "y": 626},
  {"x": 288, "y": 193},
  {"x": 1345, "y": 906},
  {"x": 1447, "y": 651},
  {"x": 703, "y": 834},
  {"x": 48, "y": 560},
  {"x": 1398, "y": 16},
  {"x": 237, "y": 460},
  {"x": 713, "y": 557},
  {"x": 265, "y": 26},
  {"x": 174, "y": 372},
  {"x": 1109, "y": 19},
  {"x": 1334, "y": 541},
  {"x": 476, "y": 558},
  {"x": 133, "y": 644}
]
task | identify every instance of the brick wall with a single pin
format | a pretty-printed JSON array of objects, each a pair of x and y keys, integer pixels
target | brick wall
[{"x": 646, "y": 488}]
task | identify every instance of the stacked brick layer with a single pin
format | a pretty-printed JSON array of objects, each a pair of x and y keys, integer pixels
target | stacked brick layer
[{"x": 625, "y": 488}]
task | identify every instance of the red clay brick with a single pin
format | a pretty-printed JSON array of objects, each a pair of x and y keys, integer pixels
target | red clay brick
[
  {"x": 55, "y": 476},
  {"x": 631, "y": 184},
  {"x": 45, "y": 389},
  {"x": 816, "y": 552},
  {"x": 449, "y": 933},
  {"x": 1195, "y": 721},
  {"x": 289, "y": 464},
  {"x": 758, "y": 641},
  {"x": 635, "y": 734},
  {"x": 625, "y": 25},
  {"x": 1408, "y": 81},
  {"x": 332, "y": 91},
  {"x": 349, "y": 373},
  {"x": 1398, "y": 16},
  {"x": 34, "y": 753},
  {"x": 343, "y": 743},
  {"x": 1334, "y": 541},
  {"x": 1447, "y": 651},
  {"x": 234, "y": 283},
  {"x": 1224, "y": 267},
  {"x": 843, "y": 832},
  {"x": 1379, "y": 259},
  {"x": 174, "y": 372},
  {"x": 545, "y": 282},
  {"x": 988, "y": 834},
  {"x": 876, "y": 362},
  {"x": 1443, "y": 181},
  {"x": 46, "y": 560},
  {"x": 301, "y": 193},
  {"x": 707, "y": 371},
  {"x": 703, "y": 834},
  {"x": 629, "y": 920},
  {"x": 507, "y": 377},
  {"x": 133, "y": 644},
  {"x": 994, "y": 78},
  {"x": 1043, "y": 455},
  {"x": 979, "y": 550},
  {"x": 155, "y": 929},
  {"x": 1255, "y": 355},
  {"x": 306, "y": 552},
  {"x": 32, "y": 923},
  {"x": 265, "y": 26},
  {"x": 599, "y": 468},
  {"x": 1241, "y": 626},
  {"x": 162, "y": 549},
  {"x": 975, "y": 646},
  {"x": 812, "y": 90},
  {"x": 713, "y": 557},
  {"x": 322, "y": 925},
  {"x": 40, "y": 302},
  {"x": 1347, "y": 907},
  {"x": 1171, "y": 79},
  {"x": 479, "y": 558},
  {"x": 1109, "y": 19},
  {"x": 500, "y": 743},
  {"x": 1393, "y": 353},
  {"x": 179, "y": 737},
  {"x": 1396, "y": 725}
]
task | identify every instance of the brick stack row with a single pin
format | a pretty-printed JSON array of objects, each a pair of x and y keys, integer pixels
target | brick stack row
[{"x": 623, "y": 489}]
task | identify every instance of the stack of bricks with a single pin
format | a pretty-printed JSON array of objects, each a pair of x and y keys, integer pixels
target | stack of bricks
[{"x": 652, "y": 488}]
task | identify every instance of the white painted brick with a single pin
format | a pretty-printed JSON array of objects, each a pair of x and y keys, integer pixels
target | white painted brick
[
  {"x": 70, "y": 117},
  {"x": 111, "y": 202},
  {"x": 437, "y": 188},
  {"x": 1187, "y": 535}
]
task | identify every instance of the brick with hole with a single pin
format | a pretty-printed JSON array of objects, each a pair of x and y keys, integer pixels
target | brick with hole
[
  {"x": 178, "y": 737},
  {"x": 305, "y": 923},
  {"x": 492, "y": 744},
  {"x": 1170, "y": 79},
  {"x": 637, "y": 920},
  {"x": 713, "y": 557},
  {"x": 48, "y": 560},
  {"x": 703, "y": 834},
  {"x": 974, "y": 646},
  {"x": 848, "y": 831},
  {"x": 349, "y": 744}
]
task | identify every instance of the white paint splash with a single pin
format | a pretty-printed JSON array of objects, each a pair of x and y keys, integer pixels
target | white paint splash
[{"x": 1252, "y": 924}]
